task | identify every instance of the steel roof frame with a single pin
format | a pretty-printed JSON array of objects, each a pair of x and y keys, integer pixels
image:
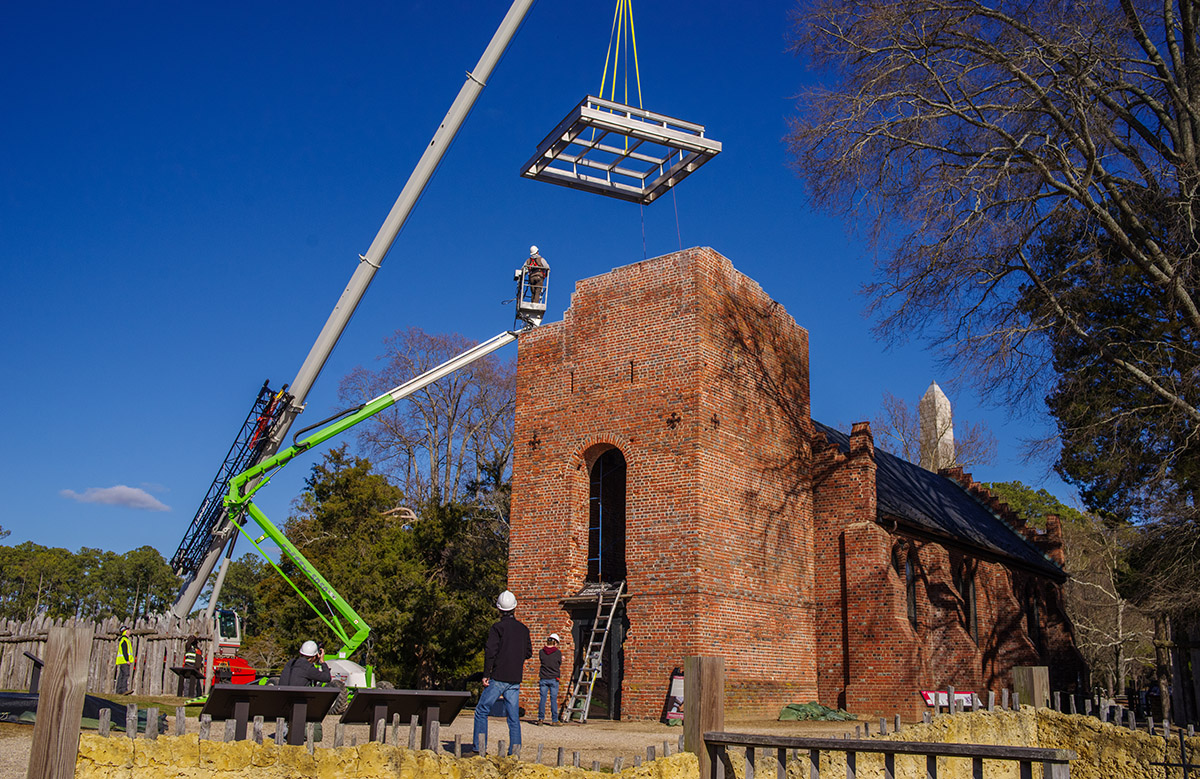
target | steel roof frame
[{"x": 563, "y": 156}]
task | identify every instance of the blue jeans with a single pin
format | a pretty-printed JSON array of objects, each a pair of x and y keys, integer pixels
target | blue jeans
[
  {"x": 511, "y": 692},
  {"x": 548, "y": 686}
]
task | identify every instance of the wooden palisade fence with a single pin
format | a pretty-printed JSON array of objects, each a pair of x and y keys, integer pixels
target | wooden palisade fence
[
  {"x": 393, "y": 734},
  {"x": 158, "y": 644}
]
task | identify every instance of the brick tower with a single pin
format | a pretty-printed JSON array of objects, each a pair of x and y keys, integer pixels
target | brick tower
[{"x": 662, "y": 438}]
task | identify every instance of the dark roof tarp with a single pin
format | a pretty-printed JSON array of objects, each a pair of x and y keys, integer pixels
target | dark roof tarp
[{"x": 940, "y": 505}]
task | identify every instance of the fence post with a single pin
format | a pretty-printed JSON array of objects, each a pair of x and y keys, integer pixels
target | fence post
[
  {"x": 703, "y": 705},
  {"x": 60, "y": 704}
]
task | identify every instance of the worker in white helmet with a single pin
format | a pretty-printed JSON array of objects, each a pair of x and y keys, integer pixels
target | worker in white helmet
[
  {"x": 504, "y": 655},
  {"x": 536, "y": 270},
  {"x": 307, "y": 669}
]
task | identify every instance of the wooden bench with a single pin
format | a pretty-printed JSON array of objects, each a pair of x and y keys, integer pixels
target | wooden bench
[
  {"x": 430, "y": 707},
  {"x": 243, "y": 702}
]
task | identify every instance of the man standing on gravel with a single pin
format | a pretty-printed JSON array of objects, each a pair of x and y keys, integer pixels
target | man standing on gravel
[{"x": 504, "y": 655}]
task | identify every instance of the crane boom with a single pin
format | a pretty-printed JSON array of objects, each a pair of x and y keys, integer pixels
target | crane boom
[{"x": 197, "y": 575}]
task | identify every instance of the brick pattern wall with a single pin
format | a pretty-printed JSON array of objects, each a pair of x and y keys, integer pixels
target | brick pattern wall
[
  {"x": 665, "y": 360},
  {"x": 873, "y": 659},
  {"x": 746, "y": 535}
]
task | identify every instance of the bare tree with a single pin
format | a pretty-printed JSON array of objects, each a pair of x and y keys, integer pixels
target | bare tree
[
  {"x": 1113, "y": 635},
  {"x": 984, "y": 131},
  {"x": 445, "y": 437},
  {"x": 898, "y": 431}
]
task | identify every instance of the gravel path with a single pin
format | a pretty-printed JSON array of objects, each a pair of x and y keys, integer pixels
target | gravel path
[
  {"x": 14, "y": 749},
  {"x": 598, "y": 740}
]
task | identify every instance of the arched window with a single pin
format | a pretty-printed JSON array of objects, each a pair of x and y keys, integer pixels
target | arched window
[
  {"x": 964, "y": 582},
  {"x": 606, "y": 518},
  {"x": 910, "y": 587},
  {"x": 1033, "y": 618}
]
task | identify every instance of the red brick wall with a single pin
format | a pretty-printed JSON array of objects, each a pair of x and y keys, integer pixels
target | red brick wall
[
  {"x": 745, "y": 536},
  {"x": 873, "y": 661},
  {"x": 665, "y": 359}
]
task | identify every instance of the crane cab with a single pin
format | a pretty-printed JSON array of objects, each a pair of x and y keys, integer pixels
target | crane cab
[{"x": 229, "y": 633}]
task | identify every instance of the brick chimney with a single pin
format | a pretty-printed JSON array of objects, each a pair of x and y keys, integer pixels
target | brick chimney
[{"x": 1051, "y": 542}]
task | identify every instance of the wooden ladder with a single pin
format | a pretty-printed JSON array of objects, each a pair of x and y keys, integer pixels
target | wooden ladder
[{"x": 584, "y": 681}]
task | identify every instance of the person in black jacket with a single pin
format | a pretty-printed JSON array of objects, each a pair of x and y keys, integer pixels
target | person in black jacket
[
  {"x": 504, "y": 655},
  {"x": 307, "y": 669}
]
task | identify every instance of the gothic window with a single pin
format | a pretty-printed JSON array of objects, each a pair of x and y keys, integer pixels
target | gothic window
[
  {"x": 606, "y": 518},
  {"x": 964, "y": 582},
  {"x": 1033, "y": 618},
  {"x": 910, "y": 587}
]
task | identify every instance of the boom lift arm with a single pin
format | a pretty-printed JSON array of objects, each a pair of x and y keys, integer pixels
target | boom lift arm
[{"x": 343, "y": 620}]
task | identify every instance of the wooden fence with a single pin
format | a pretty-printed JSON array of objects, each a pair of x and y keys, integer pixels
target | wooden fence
[
  {"x": 397, "y": 734},
  {"x": 808, "y": 753},
  {"x": 158, "y": 644}
]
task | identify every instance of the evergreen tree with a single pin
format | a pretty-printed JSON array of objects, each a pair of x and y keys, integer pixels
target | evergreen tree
[{"x": 424, "y": 586}]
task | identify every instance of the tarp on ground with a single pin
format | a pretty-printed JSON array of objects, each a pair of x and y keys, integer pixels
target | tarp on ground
[
  {"x": 813, "y": 711},
  {"x": 22, "y": 707}
]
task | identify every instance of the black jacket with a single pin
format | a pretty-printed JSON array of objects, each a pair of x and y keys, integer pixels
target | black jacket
[
  {"x": 300, "y": 673},
  {"x": 507, "y": 648}
]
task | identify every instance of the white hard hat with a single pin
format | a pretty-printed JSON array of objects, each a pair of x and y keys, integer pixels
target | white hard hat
[
  {"x": 309, "y": 649},
  {"x": 532, "y": 250},
  {"x": 507, "y": 601},
  {"x": 554, "y": 637}
]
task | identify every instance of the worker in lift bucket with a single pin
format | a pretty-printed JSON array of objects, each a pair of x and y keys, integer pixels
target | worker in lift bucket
[{"x": 536, "y": 270}]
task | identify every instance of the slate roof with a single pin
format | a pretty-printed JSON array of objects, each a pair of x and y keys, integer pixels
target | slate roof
[{"x": 941, "y": 506}]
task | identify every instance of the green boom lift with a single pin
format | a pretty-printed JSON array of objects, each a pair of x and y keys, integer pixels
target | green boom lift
[{"x": 337, "y": 614}]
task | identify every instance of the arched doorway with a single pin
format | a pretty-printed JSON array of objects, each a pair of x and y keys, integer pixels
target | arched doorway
[
  {"x": 606, "y": 518},
  {"x": 605, "y": 569}
]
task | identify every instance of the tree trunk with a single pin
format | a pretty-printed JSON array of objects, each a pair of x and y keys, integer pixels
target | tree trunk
[
  {"x": 1120, "y": 647},
  {"x": 1162, "y": 662}
]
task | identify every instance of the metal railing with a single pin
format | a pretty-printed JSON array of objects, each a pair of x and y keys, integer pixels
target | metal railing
[{"x": 1050, "y": 763}]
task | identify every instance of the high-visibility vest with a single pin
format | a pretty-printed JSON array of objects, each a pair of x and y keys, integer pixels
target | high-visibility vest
[
  {"x": 191, "y": 660},
  {"x": 124, "y": 650}
]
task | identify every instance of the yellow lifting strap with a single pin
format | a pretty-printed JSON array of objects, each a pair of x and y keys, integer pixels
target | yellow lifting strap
[{"x": 623, "y": 34}]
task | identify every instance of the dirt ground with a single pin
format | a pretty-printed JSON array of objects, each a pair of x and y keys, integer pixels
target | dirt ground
[{"x": 597, "y": 740}]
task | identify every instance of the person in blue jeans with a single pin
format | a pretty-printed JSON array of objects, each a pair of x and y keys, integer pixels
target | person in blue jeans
[
  {"x": 504, "y": 655},
  {"x": 548, "y": 673}
]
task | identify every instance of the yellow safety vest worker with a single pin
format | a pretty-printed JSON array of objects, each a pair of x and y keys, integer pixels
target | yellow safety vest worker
[{"x": 124, "y": 650}]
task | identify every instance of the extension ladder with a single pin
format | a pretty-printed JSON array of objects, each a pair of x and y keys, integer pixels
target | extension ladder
[{"x": 580, "y": 700}]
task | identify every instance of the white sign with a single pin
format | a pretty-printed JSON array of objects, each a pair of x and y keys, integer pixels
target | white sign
[{"x": 941, "y": 698}]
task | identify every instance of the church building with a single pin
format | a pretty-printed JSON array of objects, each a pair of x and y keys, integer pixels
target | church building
[{"x": 664, "y": 450}]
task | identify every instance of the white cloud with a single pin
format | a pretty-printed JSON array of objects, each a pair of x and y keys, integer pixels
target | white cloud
[{"x": 120, "y": 495}]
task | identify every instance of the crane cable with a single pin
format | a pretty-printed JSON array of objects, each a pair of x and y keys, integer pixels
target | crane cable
[{"x": 622, "y": 36}]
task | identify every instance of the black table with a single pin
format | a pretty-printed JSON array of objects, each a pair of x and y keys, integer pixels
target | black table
[
  {"x": 188, "y": 676},
  {"x": 35, "y": 679},
  {"x": 297, "y": 705},
  {"x": 370, "y": 706}
]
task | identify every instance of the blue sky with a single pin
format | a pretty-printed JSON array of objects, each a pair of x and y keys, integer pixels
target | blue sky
[{"x": 186, "y": 187}]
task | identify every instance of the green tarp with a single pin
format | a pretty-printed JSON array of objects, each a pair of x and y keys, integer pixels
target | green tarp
[{"x": 813, "y": 711}]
